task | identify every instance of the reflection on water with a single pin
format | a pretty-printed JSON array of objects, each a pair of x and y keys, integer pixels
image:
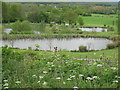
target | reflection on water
[
  {"x": 94, "y": 29},
  {"x": 7, "y": 30},
  {"x": 67, "y": 44}
]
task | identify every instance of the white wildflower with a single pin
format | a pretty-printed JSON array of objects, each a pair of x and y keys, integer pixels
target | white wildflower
[
  {"x": 6, "y": 84},
  {"x": 44, "y": 72},
  {"x": 5, "y": 87},
  {"x": 52, "y": 65},
  {"x": 81, "y": 75},
  {"x": 94, "y": 77},
  {"x": 89, "y": 78},
  {"x": 69, "y": 79},
  {"x": 116, "y": 81},
  {"x": 58, "y": 78},
  {"x": 34, "y": 76},
  {"x": 72, "y": 76},
  {"x": 17, "y": 82},
  {"x": 50, "y": 68},
  {"x": 41, "y": 77},
  {"x": 5, "y": 80},
  {"x": 45, "y": 83},
  {"x": 38, "y": 82},
  {"x": 99, "y": 65},
  {"x": 117, "y": 77},
  {"x": 94, "y": 63},
  {"x": 113, "y": 68},
  {"x": 48, "y": 62},
  {"x": 64, "y": 82},
  {"x": 94, "y": 53},
  {"x": 75, "y": 87}
]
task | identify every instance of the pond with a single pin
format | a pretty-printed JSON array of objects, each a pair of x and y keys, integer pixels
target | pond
[
  {"x": 98, "y": 29},
  {"x": 7, "y": 30},
  {"x": 61, "y": 44}
]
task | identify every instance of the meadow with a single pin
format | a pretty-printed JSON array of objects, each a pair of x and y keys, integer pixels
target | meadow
[
  {"x": 100, "y": 20},
  {"x": 42, "y": 69},
  {"x": 27, "y": 68}
]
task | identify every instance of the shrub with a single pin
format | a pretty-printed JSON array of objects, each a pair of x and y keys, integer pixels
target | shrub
[
  {"x": 82, "y": 48},
  {"x": 110, "y": 29},
  {"x": 21, "y": 26},
  {"x": 113, "y": 45},
  {"x": 103, "y": 30}
]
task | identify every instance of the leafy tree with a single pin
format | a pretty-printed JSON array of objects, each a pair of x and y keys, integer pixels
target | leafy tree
[
  {"x": 80, "y": 21},
  {"x": 21, "y": 26},
  {"x": 70, "y": 16}
]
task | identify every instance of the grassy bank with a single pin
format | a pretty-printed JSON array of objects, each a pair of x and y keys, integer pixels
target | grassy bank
[{"x": 43, "y": 69}]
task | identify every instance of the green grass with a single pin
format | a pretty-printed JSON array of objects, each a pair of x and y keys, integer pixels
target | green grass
[
  {"x": 98, "y": 20},
  {"x": 33, "y": 68}
]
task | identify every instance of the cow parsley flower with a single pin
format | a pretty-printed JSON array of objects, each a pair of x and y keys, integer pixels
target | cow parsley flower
[
  {"x": 99, "y": 65},
  {"x": 81, "y": 75},
  {"x": 45, "y": 83},
  {"x": 41, "y": 77},
  {"x": 94, "y": 77},
  {"x": 6, "y": 84},
  {"x": 38, "y": 82},
  {"x": 17, "y": 82},
  {"x": 89, "y": 78},
  {"x": 5, "y": 80},
  {"x": 64, "y": 82},
  {"x": 34, "y": 76},
  {"x": 69, "y": 79},
  {"x": 116, "y": 81},
  {"x": 44, "y": 72},
  {"x": 58, "y": 78},
  {"x": 75, "y": 87},
  {"x": 72, "y": 76}
]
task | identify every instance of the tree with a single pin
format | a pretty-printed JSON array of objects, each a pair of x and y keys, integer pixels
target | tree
[
  {"x": 80, "y": 21},
  {"x": 38, "y": 17},
  {"x": 70, "y": 17},
  {"x": 21, "y": 26},
  {"x": 11, "y": 12}
]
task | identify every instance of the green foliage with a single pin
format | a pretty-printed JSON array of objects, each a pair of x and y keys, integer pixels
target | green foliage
[
  {"x": 33, "y": 68},
  {"x": 82, "y": 48},
  {"x": 37, "y": 46},
  {"x": 70, "y": 17},
  {"x": 103, "y": 30},
  {"x": 11, "y": 12},
  {"x": 19, "y": 27},
  {"x": 113, "y": 45},
  {"x": 38, "y": 17},
  {"x": 80, "y": 21},
  {"x": 110, "y": 29}
]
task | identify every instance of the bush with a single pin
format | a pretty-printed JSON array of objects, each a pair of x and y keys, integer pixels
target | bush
[
  {"x": 82, "y": 48},
  {"x": 113, "y": 45},
  {"x": 21, "y": 26},
  {"x": 103, "y": 30},
  {"x": 110, "y": 29}
]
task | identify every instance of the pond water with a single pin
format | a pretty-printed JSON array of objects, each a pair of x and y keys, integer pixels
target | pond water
[
  {"x": 62, "y": 44},
  {"x": 7, "y": 30},
  {"x": 98, "y": 29}
]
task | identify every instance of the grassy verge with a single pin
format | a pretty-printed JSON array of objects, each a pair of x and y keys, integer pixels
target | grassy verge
[{"x": 42, "y": 69}]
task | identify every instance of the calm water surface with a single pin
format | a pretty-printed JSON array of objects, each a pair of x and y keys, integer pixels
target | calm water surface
[{"x": 62, "y": 44}]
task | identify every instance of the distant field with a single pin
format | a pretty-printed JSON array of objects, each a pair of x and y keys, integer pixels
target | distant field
[{"x": 99, "y": 20}]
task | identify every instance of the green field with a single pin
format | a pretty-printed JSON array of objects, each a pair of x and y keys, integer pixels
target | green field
[
  {"x": 41, "y": 69},
  {"x": 99, "y": 20}
]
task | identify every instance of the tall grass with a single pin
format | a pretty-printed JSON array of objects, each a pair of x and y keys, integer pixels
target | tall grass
[{"x": 34, "y": 69}]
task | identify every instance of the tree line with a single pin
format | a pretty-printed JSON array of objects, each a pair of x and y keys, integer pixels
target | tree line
[{"x": 58, "y": 13}]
